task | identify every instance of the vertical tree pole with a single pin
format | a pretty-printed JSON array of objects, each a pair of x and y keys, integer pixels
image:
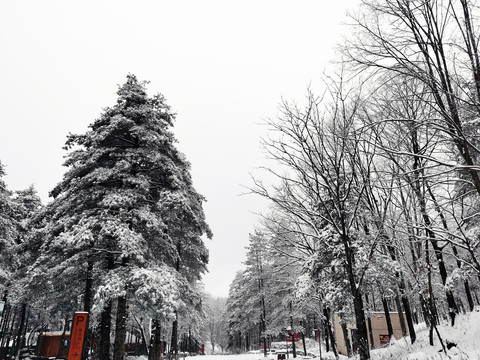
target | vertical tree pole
[
  {"x": 286, "y": 343},
  {"x": 319, "y": 343},
  {"x": 120, "y": 328},
  {"x": 292, "y": 334},
  {"x": 19, "y": 339}
]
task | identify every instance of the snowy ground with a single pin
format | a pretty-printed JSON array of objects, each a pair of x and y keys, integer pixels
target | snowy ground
[
  {"x": 465, "y": 333},
  {"x": 237, "y": 357}
]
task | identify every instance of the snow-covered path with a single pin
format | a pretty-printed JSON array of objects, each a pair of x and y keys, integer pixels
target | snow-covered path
[
  {"x": 231, "y": 357},
  {"x": 222, "y": 357}
]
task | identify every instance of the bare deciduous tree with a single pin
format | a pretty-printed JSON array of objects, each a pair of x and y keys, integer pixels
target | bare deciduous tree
[
  {"x": 435, "y": 43},
  {"x": 319, "y": 150}
]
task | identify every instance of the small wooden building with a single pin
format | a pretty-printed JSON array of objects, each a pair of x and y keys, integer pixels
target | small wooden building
[
  {"x": 379, "y": 331},
  {"x": 52, "y": 345}
]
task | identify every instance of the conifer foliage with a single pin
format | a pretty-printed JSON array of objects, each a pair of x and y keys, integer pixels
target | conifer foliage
[
  {"x": 113, "y": 233},
  {"x": 8, "y": 226}
]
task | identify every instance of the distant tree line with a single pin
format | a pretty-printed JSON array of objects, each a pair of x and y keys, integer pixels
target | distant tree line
[
  {"x": 376, "y": 189},
  {"x": 122, "y": 239}
]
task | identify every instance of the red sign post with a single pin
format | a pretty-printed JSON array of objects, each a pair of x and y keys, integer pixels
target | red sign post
[{"x": 78, "y": 335}]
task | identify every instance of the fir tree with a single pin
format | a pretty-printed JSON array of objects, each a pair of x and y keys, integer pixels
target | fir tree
[{"x": 110, "y": 226}]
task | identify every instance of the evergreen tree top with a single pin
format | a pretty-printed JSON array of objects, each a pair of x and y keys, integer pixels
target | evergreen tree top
[{"x": 126, "y": 209}]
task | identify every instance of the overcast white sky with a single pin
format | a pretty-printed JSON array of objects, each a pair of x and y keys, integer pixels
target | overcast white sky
[{"x": 223, "y": 66}]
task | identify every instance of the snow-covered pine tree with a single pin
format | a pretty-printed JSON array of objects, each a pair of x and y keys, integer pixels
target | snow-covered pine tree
[
  {"x": 25, "y": 203},
  {"x": 240, "y": 315},
  {"x": 15, "y": 210},
  {"x": 192, "y": 255},
  {"x": 109, "y": 237},
  {"x": 8, "y": 231},
  {"x": 256, "y": 270}
]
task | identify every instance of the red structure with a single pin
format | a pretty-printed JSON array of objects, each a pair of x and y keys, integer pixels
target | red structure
[{"x": 52, "y": 345}]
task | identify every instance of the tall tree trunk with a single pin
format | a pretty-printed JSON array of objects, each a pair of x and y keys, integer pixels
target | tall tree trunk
[
  {"x": 87, "y": 306},
  {"x": 304, "y": 345},
  {"x": 190, "y": 340},
  {"x": 264, "y": 346},
  {"x": 143, "y": 340},
  {"x": 12, "y": 324},
  {"x": 411, "y": 242},
  {"x": 120, "y": 329},
  {"x": 417, "y": 188},
  {"x": 425, "y": 312},
  {"x": 106, "y": 319},
  {"x": 387, "y": 317},
  {"x": 104, "y": 332},
  {"x": 325, "y": 329},
  {"x": 87, "y": 300},
  {"x": 292, "y": 334},
  {"x": 454, "y": 248},
  {"x": 452, "y": 306},
  {"x": 151, "y": 346},
  {"x": 405, "y": 302},
  {"x": 156, "y": 348},
  {"x": 361, "y": 323},
  {"x": 363, "y": 349},
  {"x": 330, "y": 331},
  {"x": 369, "y": 321},
  {"x": 409, "y": 316},
  {"x": 431, "y": 306},
  {"x": 400, "y": 315},
  {"x": 174, "y": 342},
  {"x": 5, "y": 321},
  {"x": 471, "y": 305},
  {"x": 19, "y": 341}
]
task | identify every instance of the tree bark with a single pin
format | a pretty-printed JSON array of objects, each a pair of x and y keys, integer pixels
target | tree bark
[
  {"x": 452, "y": 306},
  {"x": 151, "y": 346},
  {"x": 174, "y": 342},
  {"x": 387, "y": 317},
  {"x": 87, "y": 306},
  {"x": 10, "y": 332},
  {"x": 106, "y": 319},
  {"x": 408, "y": 315},
  {"x": 361, "y": 323},
  {"x": 155, "y": 346},
  {"x": 19, "y": 339},
  {"x": 5, "y": 321},
  {"x": 400, "y": 315},
  {"x": 416, "y": 186},
  {"x": 471, "y": 305},
  {"x": 363, "y": 349},
  {"x": 325, "y": 327},
  {"x": 87, "y": 301},
  {"x": 120, "y": 329},
  {"x": 431, "y": 305},
  {"x": 304, "y": 345},
  {"x": 292, "y": 334},
  {"x": 330, "y": 331},
  {"x": 104, "y": 332}
]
